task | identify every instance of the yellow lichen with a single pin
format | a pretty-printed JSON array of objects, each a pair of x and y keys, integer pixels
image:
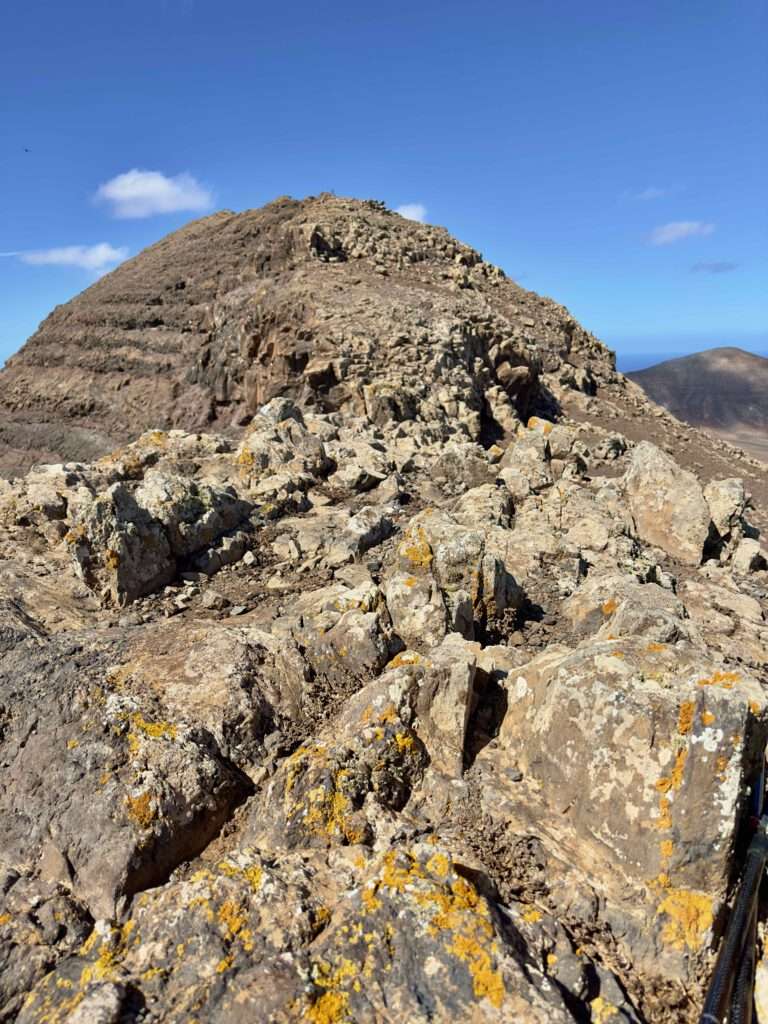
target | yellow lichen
[
  {"x": 675, "y": 780},
  {"x": 154, "y": 730},
  {"x": 601, "y": 1010},
  {"x": 685, "y": 717},
  {"x": 689, "y": 915},
  {"x": 141, "y": 809},
  {"x": 531, "y": 916},
  {"x": 405, "y": 658},
  {"x": 486, "y": 982},
  {"x": 722, "y": 679},
  {"x": 415, "y": 548},
  {"x": 330, "y": 1008},
  {"x": 72, "y": 744}
]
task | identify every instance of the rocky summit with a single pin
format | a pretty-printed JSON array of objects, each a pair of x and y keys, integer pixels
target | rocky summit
[{"x": 370, "y": 649}]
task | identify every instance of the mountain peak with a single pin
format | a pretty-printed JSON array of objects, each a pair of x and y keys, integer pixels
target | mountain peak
[{"x": 317, "y": 299}]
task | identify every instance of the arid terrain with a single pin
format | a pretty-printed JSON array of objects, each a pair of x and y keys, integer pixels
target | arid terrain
[
  {"x": 371, "y": 650},
  {"x": 723, "y": 390}
]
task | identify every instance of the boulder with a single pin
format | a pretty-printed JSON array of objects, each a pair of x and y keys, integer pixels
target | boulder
[
  {"x": 667, "y": 504},
  {"x": 448, "y": 578},
  {"x": 133, "y": 539},
  {"x": 156, "y": 790},
  {"x": 635, "y": 757}
]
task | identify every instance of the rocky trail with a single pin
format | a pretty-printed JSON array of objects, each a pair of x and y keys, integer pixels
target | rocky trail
[{"x": 404, "y": 664}]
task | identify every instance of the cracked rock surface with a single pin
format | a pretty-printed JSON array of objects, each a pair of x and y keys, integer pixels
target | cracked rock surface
[{"x": 399, "y": 661}]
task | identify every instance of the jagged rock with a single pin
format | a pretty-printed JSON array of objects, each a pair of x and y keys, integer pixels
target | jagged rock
[
  {"x": 664, "y": 740},
  {"x": 40, "y": 923},
  {"x": 448, "y": 578},
  {"x": 156, "y": 791},
  {"x": 667, "y": 504},
  {"x": 132, "y": 540},
  {"x": 445, "y": 700},
  {"x": 338, "y": 787},
  {"x": 526, "y": 465},
  {"x": 618, "y": 606},
  {"x": 332, "y": 537},
  {"x": 364, "y": 780},
  {"x": 748, "y": 557},
  {"x": 361, "y": 465},
  {"x": 341, "y": 629},
  {"x": 727, "y": 503}
]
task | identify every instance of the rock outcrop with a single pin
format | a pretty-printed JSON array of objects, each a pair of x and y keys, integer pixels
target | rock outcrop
[{"x": 401, "y": 704}]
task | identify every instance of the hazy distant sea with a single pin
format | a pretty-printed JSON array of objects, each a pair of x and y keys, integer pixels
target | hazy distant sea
[{"x": 628, "y": 361}]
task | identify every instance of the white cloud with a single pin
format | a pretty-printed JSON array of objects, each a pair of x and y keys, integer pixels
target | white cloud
[
  {"x": 89, "y": 257},
  {"x": 144, "y": 193},
  {"x": 651, "y": 193},
  {"x": 413, "y": 211},
  {"x": 677, "y": 230}
]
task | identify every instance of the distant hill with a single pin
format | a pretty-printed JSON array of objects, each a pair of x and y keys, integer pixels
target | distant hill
[{"x": 722, "y": 389}]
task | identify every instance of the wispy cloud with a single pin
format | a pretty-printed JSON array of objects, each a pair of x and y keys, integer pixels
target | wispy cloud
[
  {"x": 677, "y": 230},
  {"x": 713, "y": 267},
  {"x": 413, "y": 211},
  {"x": 145, "y": 193},
  {"x": 646, "y": 194},
  {"x": 98, "y": 258}
]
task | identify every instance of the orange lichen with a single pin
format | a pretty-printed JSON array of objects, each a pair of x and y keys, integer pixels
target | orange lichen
[
  {"x": 675, "y": 780},
  {"x": 685, "y": 717},
  {"x": 405, "y": 658},
  {"x": 689, "y": 915},
  {"x": 722, "y": 679},
  {"x": 655, "y": 648},
  {"x": 707, "y": 718},
  {"x": 140, "y": 809},
  {"x": 609, "y": 607},
  {"x": 486, "y": 982},
  {"x": 415, "y": 548},
  {"x": 154, "y": 730}
]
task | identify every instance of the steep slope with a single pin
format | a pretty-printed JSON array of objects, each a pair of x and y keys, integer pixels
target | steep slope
[
  {"x": 310, "y": 299},
  {"x": 722, "y": 389}
]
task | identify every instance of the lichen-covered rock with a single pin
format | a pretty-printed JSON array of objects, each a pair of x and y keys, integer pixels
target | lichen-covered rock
[
  {"x": 664, "y": 742},
  {"x": 132, "y": 539},
  {"x": 344, "y": 785},
  {"x": 40, "y": 923},
  {"x": 615, "y": 606},
  {"x": 445, "y": 701},
  {"x": 156, "y": 791},
  {"x": 667, "y": 504},
  {"x": 448, "y": 579}
]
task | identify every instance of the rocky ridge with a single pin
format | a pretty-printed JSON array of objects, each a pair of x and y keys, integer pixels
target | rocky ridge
[{"x": 398, "y": 703}]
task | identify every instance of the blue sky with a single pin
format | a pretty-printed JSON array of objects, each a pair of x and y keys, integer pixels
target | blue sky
[{"x": 612, "y": 155}]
